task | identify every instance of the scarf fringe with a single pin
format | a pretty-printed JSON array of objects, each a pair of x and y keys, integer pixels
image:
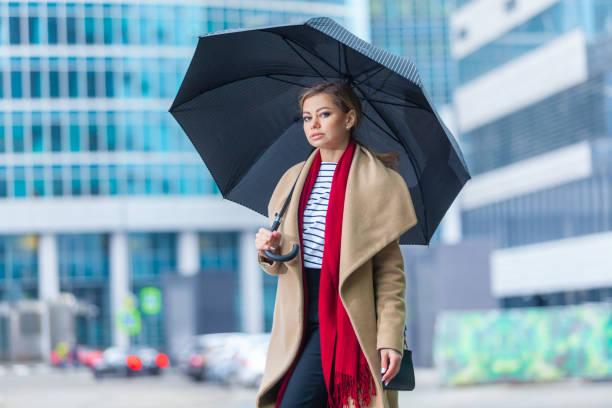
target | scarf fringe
[{"x": 360, "y": 391}]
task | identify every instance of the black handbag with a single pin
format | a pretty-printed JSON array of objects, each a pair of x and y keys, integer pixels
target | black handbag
[{"x": 404, "y": 379}]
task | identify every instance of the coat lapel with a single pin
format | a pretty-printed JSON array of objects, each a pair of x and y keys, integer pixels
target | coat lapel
[{"x": 377, "y": 210}]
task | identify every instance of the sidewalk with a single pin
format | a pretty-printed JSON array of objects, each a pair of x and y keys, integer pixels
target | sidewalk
[{"x": 428, "y": 393}]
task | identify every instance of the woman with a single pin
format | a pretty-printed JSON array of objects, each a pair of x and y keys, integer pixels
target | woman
[{"x": 339, "y": 315}]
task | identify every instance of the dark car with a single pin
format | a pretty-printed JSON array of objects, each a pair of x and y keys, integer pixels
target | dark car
[
  {"x": 189, "y": 360},
  {"x": 116, "y": 361}
]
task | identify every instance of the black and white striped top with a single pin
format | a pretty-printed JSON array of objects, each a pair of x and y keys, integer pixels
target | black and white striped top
[{"x": 313, "y": 233}]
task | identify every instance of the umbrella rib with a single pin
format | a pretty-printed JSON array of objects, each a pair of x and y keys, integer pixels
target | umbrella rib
[
  {"x": 415, "y": 106},
  {"x": 302, "y": 57},
  {"x": 376, "y": 69},
  {"x": 339, "y": 56},
  {"x": 312, "y": 54},
  {"x": 284, "y": 80},
  {"x": 379, "y": 89},
  {"x": 369, "y": 76},
  {"x": 392, "y": 136}
]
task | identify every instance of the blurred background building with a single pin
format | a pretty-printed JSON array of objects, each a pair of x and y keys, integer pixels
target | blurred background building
[
  {"x": 103, "y": 196},
  {"x": 101, "y": 193},
  {"x": 533, "y": 108}
]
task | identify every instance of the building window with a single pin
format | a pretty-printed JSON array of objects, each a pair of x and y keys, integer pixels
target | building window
[
  {"x": 16, "y": 85},
  {"x": 18, "y": 267},
  {"x": 14, "y": 30},
  {"x": 57, "y": 181},
  {"x": 84, "y": 271},
  {"x": 39, "y": 181},
  {"x": 34, "y": 30},
  {"x": 19, "y": 181},
  {"x": 3, "y": 182},
  {"x": 52, "y": 30},
  {"x": 35, "y": 84},
  {"x": 151, "y": 255},
  {"x": 219, "y": 250}
]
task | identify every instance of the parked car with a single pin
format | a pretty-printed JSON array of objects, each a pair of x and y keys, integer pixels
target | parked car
[
  {"x": 88, "y": 356},
  {"x": 231, "y": 359},
  {"x": 252, "y": 360},
  {"x": 236, "y": 359},
  {"x": 64, "y": 356},
  {"x": 133, "y": 361},
  {"x": 189, "y": 360}
]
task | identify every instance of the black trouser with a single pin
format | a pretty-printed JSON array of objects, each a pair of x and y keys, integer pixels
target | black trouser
[{"x": 306, "y": 387}]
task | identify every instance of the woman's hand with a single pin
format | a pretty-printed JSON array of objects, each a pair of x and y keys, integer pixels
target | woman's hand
[
  {"x": 267, "y": 240},
  {"x": 390, "y": 363}
]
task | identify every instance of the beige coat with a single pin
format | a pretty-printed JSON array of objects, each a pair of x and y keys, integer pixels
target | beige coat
[{"x": 372, "y": 285}]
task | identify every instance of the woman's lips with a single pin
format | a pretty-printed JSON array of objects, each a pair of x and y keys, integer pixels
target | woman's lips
[{"x": 316, "y": 136}]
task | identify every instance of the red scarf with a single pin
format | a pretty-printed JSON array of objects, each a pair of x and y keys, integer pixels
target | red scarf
[{"x": 345, "y": 367}]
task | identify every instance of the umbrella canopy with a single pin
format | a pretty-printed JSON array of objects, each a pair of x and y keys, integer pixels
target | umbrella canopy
[{"x": 238, "y": 103}]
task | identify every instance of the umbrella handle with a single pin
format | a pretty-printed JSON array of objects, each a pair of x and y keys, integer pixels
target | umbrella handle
[
  {"x": 283, "y": 258},
  {"x": 294, "y": 250}
]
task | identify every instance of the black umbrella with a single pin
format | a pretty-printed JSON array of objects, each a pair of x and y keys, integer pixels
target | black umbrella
[{"x": 238, "y": 103}]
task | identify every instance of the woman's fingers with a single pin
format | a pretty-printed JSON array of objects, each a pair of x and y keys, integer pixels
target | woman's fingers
[
  {"x": 274, "y": 240},
  {"x": 384, "y": 361},
  {"x": 390, "y": 360},
  {"x": 267, "y": 240}
]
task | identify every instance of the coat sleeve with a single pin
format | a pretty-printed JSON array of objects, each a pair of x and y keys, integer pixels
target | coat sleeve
[
  {"x": 269, "y": 266},
  {"x": 390, "y": 292}
]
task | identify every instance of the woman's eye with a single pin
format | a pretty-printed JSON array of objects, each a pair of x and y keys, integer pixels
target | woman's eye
[
  {"x": 325, "y": 113},
  {"x": 305, "y": 118}
]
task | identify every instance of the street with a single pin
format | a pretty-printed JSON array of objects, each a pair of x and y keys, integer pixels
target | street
[{"x": 37, "y": 386}]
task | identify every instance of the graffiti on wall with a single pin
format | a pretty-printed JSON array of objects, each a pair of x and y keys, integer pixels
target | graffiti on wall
[{"x": 524, "y": 344}]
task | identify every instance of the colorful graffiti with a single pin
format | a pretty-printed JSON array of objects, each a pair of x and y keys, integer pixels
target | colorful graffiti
[{"x": 524, "y": 344}]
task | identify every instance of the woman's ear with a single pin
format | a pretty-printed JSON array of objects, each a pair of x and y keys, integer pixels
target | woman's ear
[{"x": 350, "y": 118}]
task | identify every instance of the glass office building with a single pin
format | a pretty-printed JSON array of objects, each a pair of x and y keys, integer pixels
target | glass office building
[
  {"x": 535, "y": 120},
  {"x": 103, "y": 192},
  {"x": 418, "y": 29}
]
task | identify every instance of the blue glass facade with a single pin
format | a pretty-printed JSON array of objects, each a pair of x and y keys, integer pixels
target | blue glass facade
[
  {"x": 18, "y": 267},
  {"x": 114, "y": 69},
  {"x": 578, "y": 114},
  {"x": 218, "y": 250},
  {"x": 577, "y": 208},
  {"x": 571, "y": 116},
  {"x": 418, "y": 29},
  {"x": 84, "y": 93},
  {"x": 84, "y": 271},
  {"x": 151, "y": 256}
]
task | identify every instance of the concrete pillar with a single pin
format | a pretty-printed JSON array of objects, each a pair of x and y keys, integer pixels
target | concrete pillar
[
  {"x": 48, "y": 268},
  {"x": 451, "y": 229},
  {"x": 188, "y": 253},
  {"x": 48, "y": 285},
  {"x": 251, "y": 285},
  {"x": 451, "y": 226},
  {"x": 119, "y": 284}
]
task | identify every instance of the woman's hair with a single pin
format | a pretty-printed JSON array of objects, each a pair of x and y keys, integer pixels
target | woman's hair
[{"x": 346, "y": 99}]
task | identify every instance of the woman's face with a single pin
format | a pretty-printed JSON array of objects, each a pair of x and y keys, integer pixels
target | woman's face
[{"x": 325, "y": 124}]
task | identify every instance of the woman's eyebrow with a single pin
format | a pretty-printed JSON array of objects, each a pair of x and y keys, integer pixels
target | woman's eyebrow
[{"x": 324, "y": 107}]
